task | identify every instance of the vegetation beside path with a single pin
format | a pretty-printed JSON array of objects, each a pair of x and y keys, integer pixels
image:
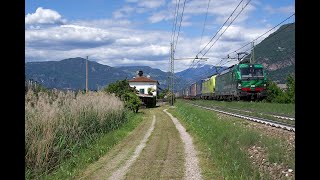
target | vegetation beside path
[
  {"x": 231, "y": 149},
  {"x": 64, "y": 131}
]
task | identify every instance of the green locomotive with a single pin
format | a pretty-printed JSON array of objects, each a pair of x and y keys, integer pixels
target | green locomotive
[{"x": 241, "y": 81}]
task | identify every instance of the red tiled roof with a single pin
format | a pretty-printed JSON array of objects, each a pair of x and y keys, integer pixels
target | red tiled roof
[{"x": 142, "y": 79}]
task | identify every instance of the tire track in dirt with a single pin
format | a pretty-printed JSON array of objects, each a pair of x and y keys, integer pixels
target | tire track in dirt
[
  {"x": 122, "y": 171},
  {"x": 163, "y": 157},
  {"x": 118, "y": 155},
  {"x": 192, "y": 163}
]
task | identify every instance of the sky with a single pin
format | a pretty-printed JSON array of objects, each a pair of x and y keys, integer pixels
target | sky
[{"x": 139, "y": 32}]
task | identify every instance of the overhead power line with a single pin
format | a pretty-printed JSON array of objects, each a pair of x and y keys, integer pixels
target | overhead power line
[
  {"x": 204, "y": 24},
  {"x": 265, "y": 33},
  {"x": 192, "y": 64},
  {"x": 175, "y": 20},
  {"x": 226, "y": 28},
  {"x": 175, "y": 46}
]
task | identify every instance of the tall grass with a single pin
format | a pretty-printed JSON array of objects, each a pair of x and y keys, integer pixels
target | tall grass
[{"x": 59, "y": 124}]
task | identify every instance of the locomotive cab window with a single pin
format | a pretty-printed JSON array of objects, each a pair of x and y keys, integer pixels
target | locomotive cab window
[
  {"x": 245, "y": 72},
  {"x": 258, "y": 72},
  {"x": 251, "y": 72}
]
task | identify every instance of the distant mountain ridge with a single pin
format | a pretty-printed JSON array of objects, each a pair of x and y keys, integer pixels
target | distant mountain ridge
[{"x": 70, "y": 74}]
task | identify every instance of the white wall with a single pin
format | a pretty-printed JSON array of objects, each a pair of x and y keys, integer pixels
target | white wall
[{"x": 145, "y": 86}]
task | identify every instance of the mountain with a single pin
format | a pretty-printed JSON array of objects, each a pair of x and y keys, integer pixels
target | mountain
[
  {"x": 156, "y": 74},
  {"x": 277, "y": 53},
  {"x": 195, "y": 74},
  {"x": 71, "y": 73}
]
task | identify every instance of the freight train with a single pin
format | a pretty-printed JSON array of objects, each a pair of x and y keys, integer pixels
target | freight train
[{"x": 241, "y": 81}]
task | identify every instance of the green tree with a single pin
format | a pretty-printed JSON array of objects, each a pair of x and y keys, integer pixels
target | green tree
[
  {"x": 163, "y": 93},
  {"x": 274, "y": 93},
  {"x": 122, "y": 89},
  {"x": 132, "y": 101},
  {"x": 150, "y": 90},
  {"x": 291, "y": 88}
]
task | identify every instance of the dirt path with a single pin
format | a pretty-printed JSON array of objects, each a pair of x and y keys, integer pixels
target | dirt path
[
  {"x": 121, "y": 172},
  {"x": 192, "y": 162},
  {"x": 159, "y": 148}
]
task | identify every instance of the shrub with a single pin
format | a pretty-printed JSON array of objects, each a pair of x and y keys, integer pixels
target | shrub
[
  {"x": 122, "y": 89},
  {"x": 275, "y": 94}
]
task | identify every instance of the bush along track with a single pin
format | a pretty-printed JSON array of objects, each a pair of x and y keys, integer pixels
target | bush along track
[{"x": 237, "y": 149}]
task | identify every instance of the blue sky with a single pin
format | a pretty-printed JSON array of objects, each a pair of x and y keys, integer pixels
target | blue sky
[{"x": 138, "y": 32}]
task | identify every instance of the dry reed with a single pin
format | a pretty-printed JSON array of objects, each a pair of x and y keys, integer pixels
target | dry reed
[{"x": 58, "y": 124}]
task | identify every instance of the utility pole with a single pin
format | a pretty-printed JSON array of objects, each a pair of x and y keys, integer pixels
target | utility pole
[
  {"x": 171, "y": 87},
  {"x": 87, "y": 75},
  {"x": 252, "y": 53}
]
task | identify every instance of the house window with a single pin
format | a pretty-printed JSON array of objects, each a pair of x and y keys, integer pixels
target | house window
[{"x": 141, "y": 91}]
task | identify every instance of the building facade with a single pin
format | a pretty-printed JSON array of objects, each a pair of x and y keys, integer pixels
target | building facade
[{"x": 144, "y": 84}]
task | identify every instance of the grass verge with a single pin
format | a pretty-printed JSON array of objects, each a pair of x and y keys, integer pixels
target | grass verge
[
  {"x": 260, "y": 107},
  {"x": 226, "y": 145}
]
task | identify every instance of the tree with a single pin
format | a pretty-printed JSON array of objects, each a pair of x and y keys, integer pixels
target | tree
[
  {"x": 150, "y": 90},
  {"x": 273, "y": 92},
  {"x": 132, "y": 101},
  {"x": 163, "y": 93},
  {"x": 291, "y": 88},
  {"x": 122, "y": 89}
]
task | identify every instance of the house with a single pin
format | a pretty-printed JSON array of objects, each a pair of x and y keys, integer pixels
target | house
[
  {"x": 144, "y": 84},
  {"x": 283, "y": 87}
]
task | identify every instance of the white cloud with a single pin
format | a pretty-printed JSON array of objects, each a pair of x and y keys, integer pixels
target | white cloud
[
  {"x": 105, "y": 23},
  {"x": 108, "y": 45},
  {"x": 160, "y": 16},
  {"x": 116, "y": 42},
  {"x": 125, "y": 46},
  {"x": 282, "y": 10},
  {"x": 123, "y": 12},
  {"x": 44, "y": 16},
  {"x": 151, "y": 3},
  {"x": 137, "y": 6},
  {"x": 219, "y": 11}
]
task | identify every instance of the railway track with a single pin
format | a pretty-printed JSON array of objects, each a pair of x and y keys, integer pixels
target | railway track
[
  {"x": 276, "y": 116},
  {"x": 269, "y": 122}
]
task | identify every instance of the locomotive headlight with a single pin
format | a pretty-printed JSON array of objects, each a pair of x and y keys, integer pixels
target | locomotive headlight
[{"x": 239, "y": 85}]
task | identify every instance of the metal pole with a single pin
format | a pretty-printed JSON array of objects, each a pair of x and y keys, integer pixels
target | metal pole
[
  {"x": 253, "y": 52},
  {"x": 87, "y": 75},
  {"x": 171, "y": 74}
]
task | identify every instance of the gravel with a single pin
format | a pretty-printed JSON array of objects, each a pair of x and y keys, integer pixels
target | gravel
[{"x": 192, "y": 162}]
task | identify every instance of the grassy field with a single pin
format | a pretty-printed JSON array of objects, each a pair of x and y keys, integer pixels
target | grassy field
[
  {"x": 59, "y": 127},
  {"x": 260, "y": 107},
  {"x": 228, "y": 146}
]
